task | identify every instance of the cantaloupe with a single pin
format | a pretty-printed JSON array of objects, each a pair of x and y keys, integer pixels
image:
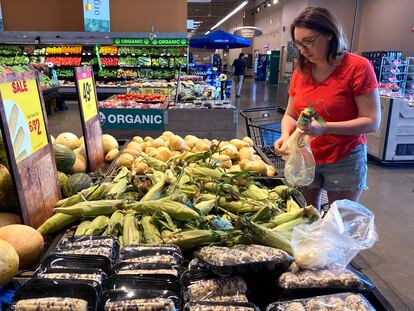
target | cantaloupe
[
  {"x": 9, "y": 262},
  {"x": 67, "y": 139},
  {"x": 109, "y": 143},
  {"x": 79, "y": 166},
  {"x": 9, "y": 219},
  {"x": 27, "y": 242}
]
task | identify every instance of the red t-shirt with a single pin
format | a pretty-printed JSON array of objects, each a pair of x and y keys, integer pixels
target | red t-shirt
[{"x": 352, "y": 77}]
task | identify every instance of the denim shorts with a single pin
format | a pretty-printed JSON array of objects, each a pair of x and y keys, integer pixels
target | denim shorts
[{"x": 347, "y": 174}]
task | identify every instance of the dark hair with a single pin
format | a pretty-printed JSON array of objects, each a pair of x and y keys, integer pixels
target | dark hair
[
  {"x": 241, "y": 55},
  {"x": 324, "y": 22}
]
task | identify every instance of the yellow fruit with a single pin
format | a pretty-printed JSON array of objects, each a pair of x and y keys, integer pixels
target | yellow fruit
[
  {"x": 27, "y": 242},
  {"x": 148, "y": 138},
  {"x": 134, "y": 145},
  {"x": 168, "y": 134},
  {"x": 246, "y": 153},
  {"x": 126, "y": 160},
  {"x": 248, "y": 140},
  {"x": 109, "y": 143},
  {"x": 67, "y": 139},
  {"x": 138, "y": 139},
  {"x": 163, "y": 154},
  {"x": 239, "y": 143},
  {"x": 9, "y": 219},
  {"x": 110, "y": 156},
  {"x": 177, "y": 143},
  {"x": 9, "y": 262},
  {"x": 132, "y": 152},
  {"x": 79, "y": 166}
]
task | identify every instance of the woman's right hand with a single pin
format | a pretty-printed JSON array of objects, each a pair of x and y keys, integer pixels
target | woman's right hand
[{"x": 279, "y": 145}]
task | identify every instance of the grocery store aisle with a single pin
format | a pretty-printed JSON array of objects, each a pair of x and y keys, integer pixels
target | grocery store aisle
[{"x": 390, "y": 262}]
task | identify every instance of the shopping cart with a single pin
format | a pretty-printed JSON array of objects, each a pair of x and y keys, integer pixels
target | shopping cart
[{"x": 263, "y": 127}]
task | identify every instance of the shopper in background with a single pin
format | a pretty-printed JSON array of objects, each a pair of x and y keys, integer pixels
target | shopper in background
[
  {"x": 239, "y": 65},
  {"x": 346, "y": 90}
]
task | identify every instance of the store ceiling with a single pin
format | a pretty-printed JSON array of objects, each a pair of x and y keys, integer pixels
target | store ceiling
[{"x": 209, "y": 13}]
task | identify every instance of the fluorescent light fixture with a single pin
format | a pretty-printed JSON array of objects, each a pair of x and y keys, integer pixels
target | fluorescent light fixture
[
  {"x": 207, "y": 32},
  {"x": 241, "y": 6}
]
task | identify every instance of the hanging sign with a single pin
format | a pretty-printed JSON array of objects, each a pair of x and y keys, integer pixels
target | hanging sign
[
  {"x": 96, "y": 15},
  {"x": 27, "y": 143},
  {"x": 149, "y": 42},
  {"x": 248, "y": 31},
  {"x": 92, "y": 131}
]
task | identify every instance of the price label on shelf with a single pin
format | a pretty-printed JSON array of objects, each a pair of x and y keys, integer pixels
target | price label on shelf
[
  {"x": 87, "y": 95},
  {"x": 24, "y": 117}
]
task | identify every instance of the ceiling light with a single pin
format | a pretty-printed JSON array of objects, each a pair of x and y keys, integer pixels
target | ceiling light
[
  {"x": 207, "y": 32},
  {"x": 241, "y": 6},
  {"x": 275, "y": 1},
  {"x": 269, "y": 4}
]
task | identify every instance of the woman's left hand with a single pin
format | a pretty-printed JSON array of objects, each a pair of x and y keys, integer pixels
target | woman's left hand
[{"x": 314, "y": 129}]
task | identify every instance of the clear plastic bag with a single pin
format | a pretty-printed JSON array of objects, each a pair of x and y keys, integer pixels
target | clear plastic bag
[
  {"x": 332, "y": 242},
  {"x": 299, "y": 163}
]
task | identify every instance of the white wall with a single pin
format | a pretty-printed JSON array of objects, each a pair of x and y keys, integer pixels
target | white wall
[
  {"x": 270, "y": 21},
  {"x": 386, "y": 25}
]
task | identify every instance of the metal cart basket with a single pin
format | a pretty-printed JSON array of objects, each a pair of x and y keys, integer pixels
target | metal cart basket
[{"x": 263, "y": 127}]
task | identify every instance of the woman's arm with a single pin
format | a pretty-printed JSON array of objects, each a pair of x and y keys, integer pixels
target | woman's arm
[
  {"x": 369, "y": 119},
  {"x": 288, "y": 125}
]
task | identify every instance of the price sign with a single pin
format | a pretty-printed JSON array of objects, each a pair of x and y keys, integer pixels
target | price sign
[
  {"x": 87, "y": 95},
  {"x": 30, "y": 155},
  {"x": 24, "y": 117},
  {"x": 91, "y": 125}
]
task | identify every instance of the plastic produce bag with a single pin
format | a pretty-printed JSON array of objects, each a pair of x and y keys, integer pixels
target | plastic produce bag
[
  {"x": 332, "y": 242},
  {"x": 300, "y": 163}
]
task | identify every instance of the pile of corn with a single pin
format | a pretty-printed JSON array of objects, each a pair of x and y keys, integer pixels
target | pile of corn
[{"x": 188, "y": 201}]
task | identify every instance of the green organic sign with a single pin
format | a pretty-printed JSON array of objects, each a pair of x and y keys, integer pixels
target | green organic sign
[
  {"x": 148, "y": 42},
  {"x": 132, "y": 119}
]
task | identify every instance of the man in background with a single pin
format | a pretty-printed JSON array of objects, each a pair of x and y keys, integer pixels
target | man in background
[{"x": 239, "y": 65}]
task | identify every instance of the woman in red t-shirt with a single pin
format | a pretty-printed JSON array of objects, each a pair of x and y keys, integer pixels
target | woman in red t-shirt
[{"x": 346, "y": 90}]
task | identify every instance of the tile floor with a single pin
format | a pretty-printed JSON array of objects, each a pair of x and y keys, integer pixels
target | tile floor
[{"x": 390, "y": 263}]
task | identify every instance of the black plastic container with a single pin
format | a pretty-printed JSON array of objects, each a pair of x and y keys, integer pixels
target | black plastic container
[
  {"x": 130, "y": 254},
  {"x": 327, "y": 301},
  {"x": 58, "y": 288},
  {"x": 149, "y": 282},
  {"x": 123, "y": 268},
  {"x": 129, "y": 294},
  {"x": 365, "y": 287},
  {"x": 225, "y": 305},
  {"x": 77, "y": 261},
  {"x": 275, "y": 266}
]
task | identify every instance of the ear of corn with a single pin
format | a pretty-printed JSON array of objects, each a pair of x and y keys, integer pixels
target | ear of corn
[
  {"x": 240, "y": 206},
  {"x": 97, "y": 226},
  {"x": 204, "y": 173},
  {"x": 121, "y": 240},
  {"x": 268, "y": 237},
  {"x": 262, "y": 215},
  {"x": 176, "y": 210},
  {"x": 204, "y": 207},
  {"x": 119, "y": 184},
  {"x": 158, "y": 184},
  {"x": 286, "y": 217},
  {"x": 131, "y": 233},
  {"x": 81, "y": 229},
  {"x": 115, "y": 223},
  {"x": 155, "y": 163},
  {"x": 194, "y": 238},
  {"x": 288, "y": 226},
  {"x": 56, "y": 223},
  {"x": 291, "y": 205},
  {"x": 150, "y": 231},
  {"x": 256, "y": 193},
  {"x": 93, "y": 193},
  {"x": 92, "y": 208}
]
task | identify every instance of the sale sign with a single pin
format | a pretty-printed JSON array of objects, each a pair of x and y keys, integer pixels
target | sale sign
[
  {"x": 87, "y": 94},
  {"x": 24, "y": 117}
]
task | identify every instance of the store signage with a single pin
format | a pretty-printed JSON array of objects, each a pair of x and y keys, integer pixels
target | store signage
[
  {"x": 91, "y": 126},
  {"x": 87, "y": 94},
  {"x": 24, "y": 117},
  {"x": 150, "y": 90},
  {"x": 248, "y": 31},
  {"x": 266, "y": 46},
  {"x": 1, "y": 20},
  {"x": 132, "y": 119},
  {"x": 96, "y": 15},
  {"x": 27, "y": 143},
  {"x": 149, "y": 42}
]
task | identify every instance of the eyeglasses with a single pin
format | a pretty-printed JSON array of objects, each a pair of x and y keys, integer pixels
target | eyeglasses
[{"x": 307, "y": 43}]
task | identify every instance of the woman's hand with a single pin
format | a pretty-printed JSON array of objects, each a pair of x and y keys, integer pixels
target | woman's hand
[
  {"x": 314, "y": 129},
  {"x": 278, "y": 145}
]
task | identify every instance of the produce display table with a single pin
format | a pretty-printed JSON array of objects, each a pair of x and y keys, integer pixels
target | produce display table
[
  {"x": 103, "y": 92},
  {"x": 49, "y": 95}
]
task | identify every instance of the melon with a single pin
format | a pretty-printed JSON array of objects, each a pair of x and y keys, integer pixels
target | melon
[
  {"x": 27, "y": 242},
  {"x": 64, "y": 157},
  {"x": 9, "y": 219},
  {"x": 9, "y": 262},
  {"x": 77, "y": 182},
  {"x": 79, "y": 166},
  {"x": 109, "y": 143},
  {"x": 68, "y": 139},
  {"x": 8, "y": 195}
]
